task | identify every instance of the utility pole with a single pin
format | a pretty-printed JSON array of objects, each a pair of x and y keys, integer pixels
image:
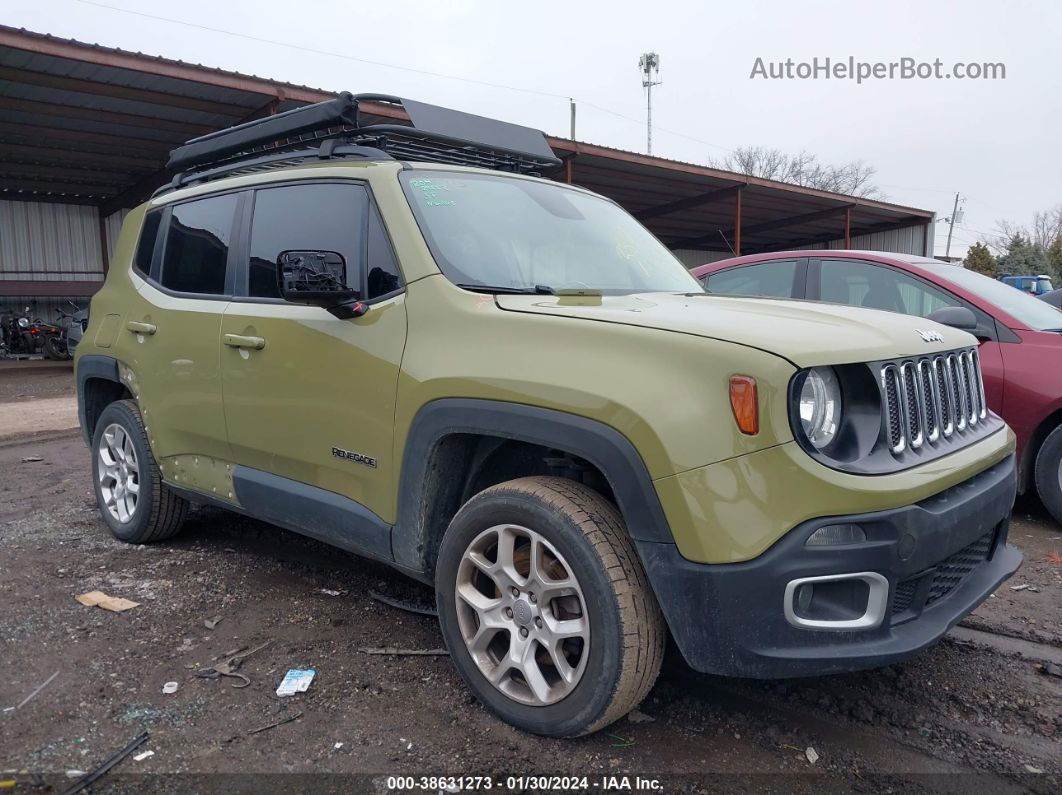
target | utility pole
[
  {"x": 951, "y": 224},
  {"x": 649, "y": 64},
  {"x": 571, "y": 102}
]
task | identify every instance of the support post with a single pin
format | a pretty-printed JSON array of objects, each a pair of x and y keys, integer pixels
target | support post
[
  {"x": 104, "y": 254},
  {"x": 737, "y": 223},
  {"x": 847, "y": 227},
  {"x": 568, "y": 169}
]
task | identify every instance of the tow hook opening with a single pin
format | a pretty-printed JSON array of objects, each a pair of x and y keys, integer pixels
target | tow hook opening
[{"x": 837, "y": 601}]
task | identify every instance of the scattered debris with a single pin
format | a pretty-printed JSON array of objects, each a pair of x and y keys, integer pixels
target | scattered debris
[
  {"x": 621, "y": 742},
  {"x": 230, "y": 667},
  {"x": 637, "y": 716},
  {"x": 143, "y": 756},
  {"x": 31, "y": 459},
  {"x": 1054, "y": 557},
  {"x": 40, "y": 687},
  {"x": 1021, "y": 587},
  {"x": 812, "y": 755},
  {"x": 116, "y": 604},
  {"x": 110, "y": 762},
  {"x": 75, "y": 773},
  {"x": 1050, "y": 669},
  {"x": 337, "y": 746},
  {"x": 330, "y": 592},
  {"x": 211, "y": 623},
  {"x": 169, "y": 688},
  {"x": 404, "y": 604},
  {"x": 1031, "y": 769},
  {"x": 392, "y": 651},
  {"x": 288, "y": 719},
  {"x": 296, "y": 680}
]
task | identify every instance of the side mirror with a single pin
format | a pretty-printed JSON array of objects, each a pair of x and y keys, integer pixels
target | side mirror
[
  {"x": 959, "y": 317},
  {"x": 318, "y": 278}
]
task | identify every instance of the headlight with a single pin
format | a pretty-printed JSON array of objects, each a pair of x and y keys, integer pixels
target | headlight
[{"x": 820, "y": 406}]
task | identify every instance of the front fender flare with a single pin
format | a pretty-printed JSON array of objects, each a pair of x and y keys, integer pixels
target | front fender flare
[{"x": 600, "y": 444}]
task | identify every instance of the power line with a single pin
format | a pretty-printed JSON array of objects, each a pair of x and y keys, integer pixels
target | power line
[{"x": 318, "y": 51}]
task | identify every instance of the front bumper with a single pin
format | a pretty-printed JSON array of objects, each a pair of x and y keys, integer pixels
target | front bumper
[{"x": 730, "y": 619}]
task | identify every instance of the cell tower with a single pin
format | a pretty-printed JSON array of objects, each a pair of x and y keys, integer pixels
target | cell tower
[{"x": 649, "y": 64}]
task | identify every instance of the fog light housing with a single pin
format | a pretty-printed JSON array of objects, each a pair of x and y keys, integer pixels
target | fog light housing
[
  {"x": 834, "y": 534},
  {"x": 837, "y": 601}
]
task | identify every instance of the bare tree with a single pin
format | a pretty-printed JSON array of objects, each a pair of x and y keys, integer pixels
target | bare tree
[
  {"x": 1045, "y": 229},
  {"x": 802, "y": 168}
]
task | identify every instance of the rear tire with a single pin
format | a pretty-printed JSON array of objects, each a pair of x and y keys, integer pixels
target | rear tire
[
  {"x": 134, "y": 502},
  {"x": 593, "y": 643},
  {"x": 54, "y": 349},
  {"x": 1048, "y": 473}
]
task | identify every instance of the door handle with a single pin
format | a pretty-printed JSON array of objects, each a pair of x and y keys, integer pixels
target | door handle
[
  {"x": 137, "y": 327},
  {"x": 239, "y": 341}
]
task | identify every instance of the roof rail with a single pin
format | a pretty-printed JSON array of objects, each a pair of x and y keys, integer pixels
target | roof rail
[{"x": 335, "y": 128}]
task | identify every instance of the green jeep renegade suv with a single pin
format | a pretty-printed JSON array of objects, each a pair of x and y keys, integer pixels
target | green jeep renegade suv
[{"x": 392, "y": 339}]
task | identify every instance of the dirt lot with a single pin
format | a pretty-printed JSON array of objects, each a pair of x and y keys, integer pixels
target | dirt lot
[{"x": 972, "y": 712}]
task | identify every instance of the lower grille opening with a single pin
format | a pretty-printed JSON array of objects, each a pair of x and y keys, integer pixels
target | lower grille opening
[
  {"x": 953, "y": 570},
  {"x": 946, "y": 576}
]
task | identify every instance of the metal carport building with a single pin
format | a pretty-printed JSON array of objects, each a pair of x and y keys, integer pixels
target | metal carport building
[{"x": 85, "y": 131}]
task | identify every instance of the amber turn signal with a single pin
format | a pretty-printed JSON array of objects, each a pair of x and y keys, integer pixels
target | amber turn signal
[{"x": 744, "y": 402}]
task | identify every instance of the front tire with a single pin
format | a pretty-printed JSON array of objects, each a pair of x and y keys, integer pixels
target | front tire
[
  {"x": 545, "y": 608},
  {"x": 1048, "y": 473},
  {"x": 134, "y": 502}
]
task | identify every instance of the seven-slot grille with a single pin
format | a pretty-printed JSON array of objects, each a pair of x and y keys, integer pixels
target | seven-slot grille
[{"x": 927, "y": 400}]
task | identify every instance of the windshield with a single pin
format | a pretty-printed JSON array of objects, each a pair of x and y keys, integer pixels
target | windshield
[
  {"x": 1044, "y": 285},
  {"x": 1033, "y": 312},
  {"x": 486, "y": 230}
]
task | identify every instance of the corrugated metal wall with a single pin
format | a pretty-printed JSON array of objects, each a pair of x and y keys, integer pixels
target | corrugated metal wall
[
  {"x": 113, "y": 225},
  {"x": 909, "y": 240},
  {"x": 49, "y": 242}
]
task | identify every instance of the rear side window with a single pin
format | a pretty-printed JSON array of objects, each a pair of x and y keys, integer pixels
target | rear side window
[
  {"x": 145, "y": 247},
  {"x": 769, "y": 279},
  {"x": 197, "y": 245},
  {"x": 313, "y": 217}
]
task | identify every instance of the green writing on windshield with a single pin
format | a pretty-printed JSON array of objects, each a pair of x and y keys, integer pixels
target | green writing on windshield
[{"x": 431, "y": 191}]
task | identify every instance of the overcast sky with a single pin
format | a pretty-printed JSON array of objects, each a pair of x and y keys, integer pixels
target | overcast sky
[{"x": 997, "y": 142}]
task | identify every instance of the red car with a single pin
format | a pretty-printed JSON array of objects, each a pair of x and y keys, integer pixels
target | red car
[{"x": 1021, "y": 336}]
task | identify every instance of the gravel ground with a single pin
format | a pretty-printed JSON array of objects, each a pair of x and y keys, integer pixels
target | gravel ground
[{"x": 974, "y": 711}]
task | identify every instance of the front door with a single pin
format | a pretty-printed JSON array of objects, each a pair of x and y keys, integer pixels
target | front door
[{"x": 309, "y": 397}]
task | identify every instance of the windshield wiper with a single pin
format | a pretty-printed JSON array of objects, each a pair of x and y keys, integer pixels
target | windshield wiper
[{"x": 538, "y": 289}]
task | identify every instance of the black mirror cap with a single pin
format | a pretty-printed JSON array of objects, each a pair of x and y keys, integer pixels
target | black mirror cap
[
  {"x": 317, "y": 278},
  {"x": 959, "y": 317}
]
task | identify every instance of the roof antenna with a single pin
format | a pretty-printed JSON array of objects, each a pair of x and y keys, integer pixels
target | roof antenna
[{"x": 720, "y": 231}]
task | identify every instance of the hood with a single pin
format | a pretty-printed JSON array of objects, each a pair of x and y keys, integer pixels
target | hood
[{"x": 806, "y": 333}]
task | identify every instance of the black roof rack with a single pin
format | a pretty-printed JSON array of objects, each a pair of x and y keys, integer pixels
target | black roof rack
[{"x": 335, "y": 128}]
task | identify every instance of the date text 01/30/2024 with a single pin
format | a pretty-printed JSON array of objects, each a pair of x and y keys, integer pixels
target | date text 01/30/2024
[{"x": 538, "y": 783}]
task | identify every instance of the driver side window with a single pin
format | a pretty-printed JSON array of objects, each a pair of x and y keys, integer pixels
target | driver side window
[{"x": 857, "y": 283}]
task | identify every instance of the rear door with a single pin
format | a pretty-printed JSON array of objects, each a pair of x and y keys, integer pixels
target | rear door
[
  {"x": 880, "y": 286},
  {"x": 310, "y": 397},
  {"x": 169, "y": 336}
]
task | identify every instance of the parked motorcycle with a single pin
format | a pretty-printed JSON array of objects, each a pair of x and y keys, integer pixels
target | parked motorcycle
[
  {"x": 51, "y": 339},
  {"x": 16, "y": 334},
  {"x": 74, "y": 327}
]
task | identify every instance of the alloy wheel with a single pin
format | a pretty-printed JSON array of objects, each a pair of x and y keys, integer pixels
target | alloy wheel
[
  {"x": 119, "y": 472},
  {"x": 522, "y": 615}
]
